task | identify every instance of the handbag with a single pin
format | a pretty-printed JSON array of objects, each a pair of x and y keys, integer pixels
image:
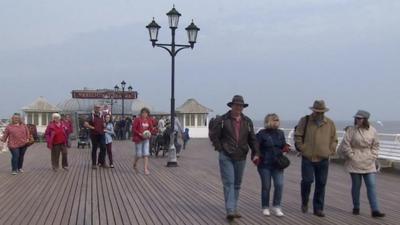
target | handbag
[
  {"x": 30, "y": 141},
  {"x": 281, "y": 161}
]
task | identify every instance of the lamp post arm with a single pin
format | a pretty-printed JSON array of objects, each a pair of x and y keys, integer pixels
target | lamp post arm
[
  {"x": 163, "y": 46},
  {"x": 182, "y": 47}
]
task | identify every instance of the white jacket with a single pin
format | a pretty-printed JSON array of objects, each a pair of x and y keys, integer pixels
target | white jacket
[{"x": 360, "y": 147}]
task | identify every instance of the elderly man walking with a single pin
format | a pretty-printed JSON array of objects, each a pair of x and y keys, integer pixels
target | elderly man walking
[
  {"x": 96, "y": 125},
  {"x": 232, "y": 134},
  {"x": 315, "y": 138}
]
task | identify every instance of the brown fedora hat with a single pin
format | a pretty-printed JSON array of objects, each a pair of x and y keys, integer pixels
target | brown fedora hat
[
  {"x": 237, "y": 99},
  {"x": 319, "y": 106}
]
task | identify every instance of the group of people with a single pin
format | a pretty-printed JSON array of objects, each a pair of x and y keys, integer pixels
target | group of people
[
  {"x": 232, "y": 134},
  {"x": 122, "y": 127},
  {"x": 19, "y": 137},
  {"x": 102, "y": 131}
]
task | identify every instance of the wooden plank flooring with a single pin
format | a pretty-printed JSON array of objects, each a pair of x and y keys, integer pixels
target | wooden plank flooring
[{"x": 189, "y": 194}]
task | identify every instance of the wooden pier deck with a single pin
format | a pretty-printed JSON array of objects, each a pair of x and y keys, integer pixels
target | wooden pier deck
[{"x": 189, "y": 194}]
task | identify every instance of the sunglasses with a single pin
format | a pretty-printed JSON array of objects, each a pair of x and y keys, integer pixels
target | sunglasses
[{"x": 359, "y": 118}]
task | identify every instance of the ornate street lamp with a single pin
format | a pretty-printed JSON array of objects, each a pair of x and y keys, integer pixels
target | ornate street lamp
[
  {"x": 172, "y": 49},
  {"x": 116, "y": 90},
  {"x": 123, "y": 95}
]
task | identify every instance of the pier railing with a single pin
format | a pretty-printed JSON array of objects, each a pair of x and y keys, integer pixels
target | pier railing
[{"x": 389, "y": 145}]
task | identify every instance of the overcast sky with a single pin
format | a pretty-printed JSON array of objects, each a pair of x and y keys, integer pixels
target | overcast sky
[{"x": 280, "y": 55}]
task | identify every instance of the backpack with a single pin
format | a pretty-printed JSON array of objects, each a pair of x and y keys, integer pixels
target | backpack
[{"x": 304, "y": 134}]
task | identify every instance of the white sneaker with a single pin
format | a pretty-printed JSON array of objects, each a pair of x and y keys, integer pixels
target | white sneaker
[
  {"x": 277, "y": 211},
  {"x": 266, "y": 212}
]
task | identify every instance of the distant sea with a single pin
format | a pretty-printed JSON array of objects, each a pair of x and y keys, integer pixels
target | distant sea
[{"x": 389, "y": 127}]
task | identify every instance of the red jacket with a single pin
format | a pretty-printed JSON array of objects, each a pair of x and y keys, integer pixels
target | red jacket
[
  {"x": 50, "y": 132},
  {"x": 68, "y": 125},
  {"x": 139, "y": 126}
]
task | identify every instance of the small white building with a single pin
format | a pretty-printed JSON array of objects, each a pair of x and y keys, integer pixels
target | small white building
[
  {"x": 39, "y": 113},
  {"x": 194, "y": 116}
]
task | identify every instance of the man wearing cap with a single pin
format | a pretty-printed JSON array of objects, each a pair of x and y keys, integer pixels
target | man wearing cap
[
  {"x": 232, "y": 134},
  {"x": 97, "y": 136},
  {"x": 316, "y": 139}
]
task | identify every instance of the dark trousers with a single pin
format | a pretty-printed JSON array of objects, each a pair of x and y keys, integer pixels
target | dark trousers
[
  {"x": 109, "y": 152},
  {"x": 309, "y": 170},
  {"x": 17, "y": 157},
  {"x": 55, "y": 155},
  {"x": 98, "y": 141}
]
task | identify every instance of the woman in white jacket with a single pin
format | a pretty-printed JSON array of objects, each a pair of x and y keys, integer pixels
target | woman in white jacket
[
  {"x": 360, "y": 148},
  {"x": 109, "y": 132}
]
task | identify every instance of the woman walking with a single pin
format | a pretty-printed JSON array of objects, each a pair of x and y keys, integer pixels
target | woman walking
[
  {"x": 109, "y": 132},
  {"x": 17, "y": 135},
  {"x": 141, "y": 130},
  {"x": 57, "y": 139},
  {"x": 360, "y": 149},
  {"x": 272, "y": 142}
]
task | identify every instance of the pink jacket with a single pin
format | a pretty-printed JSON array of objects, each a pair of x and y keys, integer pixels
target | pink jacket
[{"x": 17, "y": 135}]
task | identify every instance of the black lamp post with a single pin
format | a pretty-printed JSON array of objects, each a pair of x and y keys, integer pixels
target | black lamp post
[
  {"x": 116, "y": 89},
  {"x": 112, "y": 98},
  {"x": 123, "y": 95},
  {"x": 172, "y": 49}
]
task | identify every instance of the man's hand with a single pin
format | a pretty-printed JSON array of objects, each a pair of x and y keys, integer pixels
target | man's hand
[{"x": 87, "y": 125}]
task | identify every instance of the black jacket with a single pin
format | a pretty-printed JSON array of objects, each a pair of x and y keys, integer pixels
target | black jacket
[{"x": 222, "y": 135}]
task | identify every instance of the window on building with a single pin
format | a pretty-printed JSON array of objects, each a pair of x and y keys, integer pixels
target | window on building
[
  {"x": 200, "y": 120},
  {"x": 30, "y": 118},
  {"x": 187, "y": 120},
  {"x": 36, "y": 118},
  {"x": 49, "y": 118},
  {"x": 44, "y": 119},
  {"x": 192, "y": 120}
]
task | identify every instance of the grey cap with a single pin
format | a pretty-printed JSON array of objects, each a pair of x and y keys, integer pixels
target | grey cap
[{"x": 362, "y": 114}]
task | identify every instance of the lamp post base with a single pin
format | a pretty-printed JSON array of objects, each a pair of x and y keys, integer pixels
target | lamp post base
[
  {"x": 172, "y": 164},
  {"x": 172, "y": 160}
]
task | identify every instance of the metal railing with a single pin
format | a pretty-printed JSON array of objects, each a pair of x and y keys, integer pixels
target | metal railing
[{"x": 389, "y": 148}]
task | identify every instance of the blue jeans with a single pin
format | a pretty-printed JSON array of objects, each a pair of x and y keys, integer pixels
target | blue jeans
[
  {"x": 310, "y": 169},
  {"x": 266, "y": 175},
  {"x": 143, "y": 148},
  {"x": 231, "y": 176},
  {"x": 369, "y": 179},
  {"x": 17, "y": 158}
]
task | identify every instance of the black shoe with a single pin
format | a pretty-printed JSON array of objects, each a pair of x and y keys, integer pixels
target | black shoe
[
  {"x": 304, "y": 208},
  {"x": 237, "y": 215},
  {"x": 230, "y": 217},
  {"x": 356, "y": 211},
  {"x": 319, "y": 213},
  {"x": 377, "y": 214}
]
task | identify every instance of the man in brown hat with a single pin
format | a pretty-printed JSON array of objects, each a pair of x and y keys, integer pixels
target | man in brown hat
[
  {"x": 231, "y": 135},
  {"x": 315, "y": 138}
]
